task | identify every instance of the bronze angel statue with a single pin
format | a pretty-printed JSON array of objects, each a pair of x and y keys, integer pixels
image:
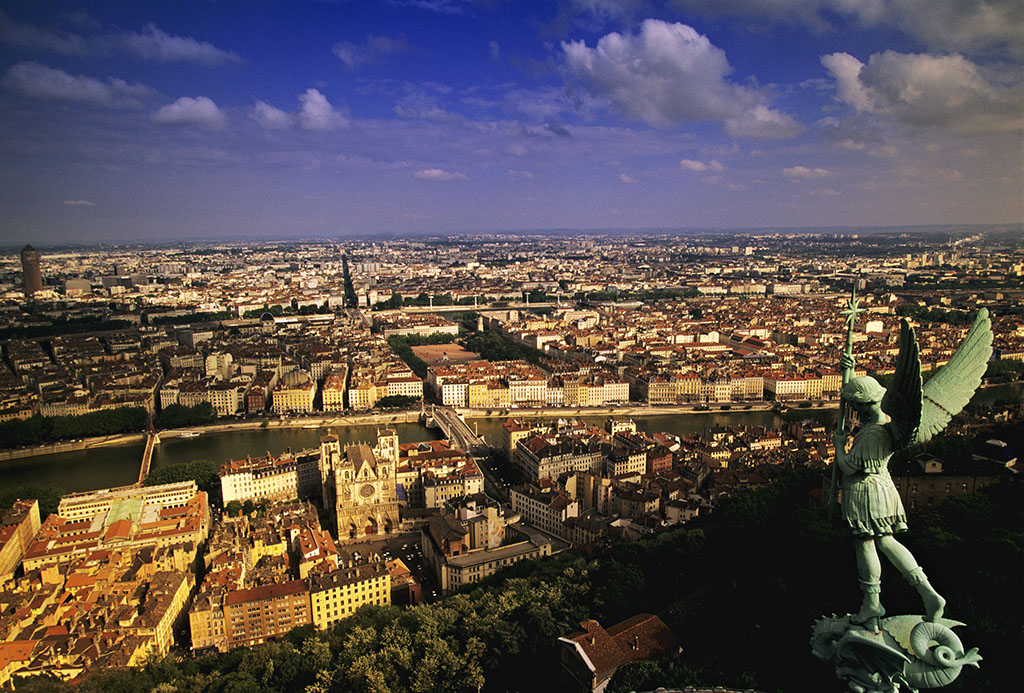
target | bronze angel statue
[{"x": 905, "y": 414}]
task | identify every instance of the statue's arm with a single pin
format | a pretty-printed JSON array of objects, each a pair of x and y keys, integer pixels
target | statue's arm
[{"x": 846, "y": 366}]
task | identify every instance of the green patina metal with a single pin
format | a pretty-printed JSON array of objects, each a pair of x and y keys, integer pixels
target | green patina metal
[{"x": 873, "y": 654}]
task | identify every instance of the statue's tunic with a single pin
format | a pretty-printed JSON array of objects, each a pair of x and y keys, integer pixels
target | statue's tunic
[{"x": 871, "y": 505}]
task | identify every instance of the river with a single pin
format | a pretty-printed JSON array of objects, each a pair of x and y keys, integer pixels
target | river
[{"x": 85, "y": 470}]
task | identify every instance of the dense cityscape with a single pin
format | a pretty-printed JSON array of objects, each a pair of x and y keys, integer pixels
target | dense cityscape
[
  {"x": 478, "y": 346},
  {"x": 553, "y": 345}
]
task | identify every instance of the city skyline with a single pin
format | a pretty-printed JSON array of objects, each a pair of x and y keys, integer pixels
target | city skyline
[{"x": 341, "y": 119}]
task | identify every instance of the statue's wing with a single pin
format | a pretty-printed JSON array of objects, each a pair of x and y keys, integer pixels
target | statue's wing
[
  {"x": 902, "y": 401},
  {"x": 949, "y": 391}
]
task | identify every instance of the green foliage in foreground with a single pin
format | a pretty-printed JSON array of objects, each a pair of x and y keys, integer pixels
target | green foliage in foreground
[{"x": 740, "y": 588}]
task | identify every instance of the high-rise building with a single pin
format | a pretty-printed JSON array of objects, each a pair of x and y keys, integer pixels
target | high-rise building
[{"x": 33, "y": 278}]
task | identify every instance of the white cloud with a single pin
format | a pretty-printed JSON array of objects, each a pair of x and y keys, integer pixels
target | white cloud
[
  {"x": 700, "y": 166},
  {"x": 154, "y": 44},
  {"x": 721, "y": 181},
  {"x": 668, "y": 74},
  {"x": 151, "y": 43},
  {"x": 438, "y": 174},
  {"x": 802, "y": 173},
  {"x": 626, "y": 178},
  {"x": 270, "y": 117},
  {"x": 955, "y": 25},
  {"x": 354, "y": 55},
  {"x": 44, "y": 82},
  {"x": 79, "y": 203},
  {"x": 450, "y": 7},
  {"x": 517, "y": 175},
  {"x": 27, "y": 36},
  {"x": 316, "y": 112},
  {"x": 948, "y": 92},
  {"x": 845, "y": 70},
  {"x": 191, "y": 111},
  {"x": 762, "y": 122}
]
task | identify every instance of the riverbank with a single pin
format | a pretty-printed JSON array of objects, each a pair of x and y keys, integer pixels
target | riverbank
[
  {"x": 375, "y": 419},
  {"x": 631, "y": 410}
]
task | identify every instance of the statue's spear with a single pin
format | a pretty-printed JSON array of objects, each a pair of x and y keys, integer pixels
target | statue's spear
[{"x": 851, "y": 320}]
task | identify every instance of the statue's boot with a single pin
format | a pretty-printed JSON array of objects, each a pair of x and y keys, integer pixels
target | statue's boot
[
  {"x": 871, "y": 610},
  {"x": 934, "y": 604}
]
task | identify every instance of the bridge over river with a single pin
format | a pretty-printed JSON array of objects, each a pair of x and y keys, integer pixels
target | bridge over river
[{"x": 455, "y": 429}]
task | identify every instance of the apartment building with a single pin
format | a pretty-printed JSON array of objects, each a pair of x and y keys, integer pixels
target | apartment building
[
  {"x": 18, "y": 527},
  {"x": 287, "y": 476},
  {"x": 253, "y": 616},
  {"x": 338, "y": 594},
  {"x": 295, "y": 392},
  {"x": 546, "y": 509}
]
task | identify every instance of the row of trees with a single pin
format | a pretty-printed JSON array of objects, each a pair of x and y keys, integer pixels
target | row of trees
[
  {"x": 192, "y": 318},
  {"x": 180, "y": 416},
  {"x": 351, "y": 300},
  {"x": 400, "y": 345},
  {"x": 63, "y": 326},
  {"x": 40, "y": 430},
  {"x": 950, "y": 317},
  {"x": 278, "y": 310},
  {"x": 397, "y": 301}
]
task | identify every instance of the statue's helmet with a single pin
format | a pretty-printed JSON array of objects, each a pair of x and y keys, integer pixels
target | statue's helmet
[{"x": 863, "y": 390}]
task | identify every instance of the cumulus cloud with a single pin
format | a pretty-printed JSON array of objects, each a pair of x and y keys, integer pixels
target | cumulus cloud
[
  {"x": 270, "y": 117},
  {"x": 438, "y": 174},
  {"x": 79, "y": 203},
  {"x": 954, "y": 25},
  {"x": 802, "y": 173},
  {"x": 626, "y": 178},
  {"x": 151, "y": 43},
  {"x": 946, "y": 91},
  {"x": 316, "y": 112},
  {"x": 700, "y": 166},
  {"x": 667, "y": 74},
  {"x": 354, "y": 55},
  {"x": 191, "y": 111},
  {"x": 45, "y": 82},
  {"x": 762, "y": 122}
]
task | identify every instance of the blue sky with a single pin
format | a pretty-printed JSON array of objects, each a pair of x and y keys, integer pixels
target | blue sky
[{"x": 300, "y": 118}]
